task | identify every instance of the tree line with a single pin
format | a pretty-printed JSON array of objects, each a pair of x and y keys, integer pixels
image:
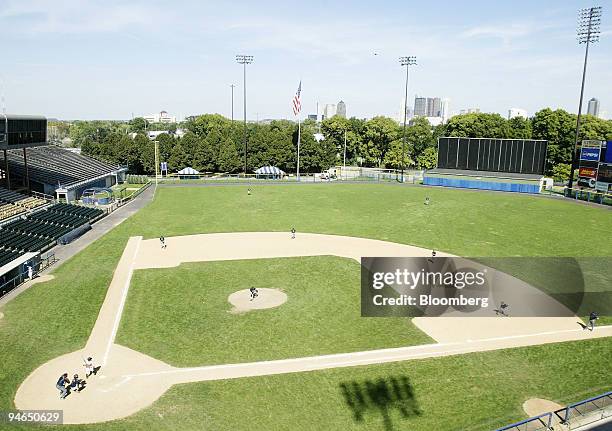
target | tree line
[{"x": 213, "y": 143}]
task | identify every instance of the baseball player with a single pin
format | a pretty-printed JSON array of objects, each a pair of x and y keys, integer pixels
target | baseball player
[
  {"x": 254, "y": 293},
  {"x": 89, "y": 367},
  {"x": 292, "y": 233}
]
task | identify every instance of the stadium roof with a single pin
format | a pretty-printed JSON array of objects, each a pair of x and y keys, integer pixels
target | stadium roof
[{"x": 59, "y": 167}]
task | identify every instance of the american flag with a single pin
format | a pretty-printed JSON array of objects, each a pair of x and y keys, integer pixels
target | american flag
[{"x": 297, "y": 100}]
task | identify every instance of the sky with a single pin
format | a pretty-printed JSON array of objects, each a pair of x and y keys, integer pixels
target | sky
[{"x": 117, "y": 59}]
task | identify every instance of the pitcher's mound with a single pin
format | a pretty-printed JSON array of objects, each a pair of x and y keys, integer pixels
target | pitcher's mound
[
  {"x": 268, "y": 298},
  {"x": 538, "y": 406}
]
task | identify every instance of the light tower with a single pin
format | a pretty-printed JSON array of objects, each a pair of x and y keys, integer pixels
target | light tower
[
  {"x": 406, "y": 61},
  {"x": 587, "y": 32},
  {"x": 244, "y": 60}
]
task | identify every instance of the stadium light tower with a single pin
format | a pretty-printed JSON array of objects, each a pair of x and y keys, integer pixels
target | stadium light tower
[
  {"x": 587, "y": 32},
  {"x": 406, "y": 61},
  {"x": 244, "y": 60}
]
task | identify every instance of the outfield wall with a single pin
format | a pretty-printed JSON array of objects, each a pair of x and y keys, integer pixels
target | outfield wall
[{"x": 488, "y": 184}]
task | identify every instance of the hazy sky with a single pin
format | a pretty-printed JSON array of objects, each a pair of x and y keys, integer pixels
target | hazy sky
[{"x": 111, "y": 59}]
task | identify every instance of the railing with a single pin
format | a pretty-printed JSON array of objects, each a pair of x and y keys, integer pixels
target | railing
[
  {"x": 574, "y": 415},
  {"x": 587, "y": 411},
  {"x": 589, "y": 195}
]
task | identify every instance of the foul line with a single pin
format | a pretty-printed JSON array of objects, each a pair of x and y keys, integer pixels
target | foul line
[
  {"x": 119, "y": 311},
  {"x": 466, "y": 347}
]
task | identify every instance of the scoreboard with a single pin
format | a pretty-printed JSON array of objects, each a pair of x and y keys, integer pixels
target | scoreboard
[{"x": 521, "y": 156}]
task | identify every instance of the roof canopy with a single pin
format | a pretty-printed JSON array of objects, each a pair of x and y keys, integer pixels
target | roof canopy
[
  {"x": 269, "y": 170},
  {"x": 188, "y": 171}
]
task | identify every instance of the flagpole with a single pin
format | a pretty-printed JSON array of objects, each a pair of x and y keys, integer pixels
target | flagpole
[{"x": 298, "y": 149}]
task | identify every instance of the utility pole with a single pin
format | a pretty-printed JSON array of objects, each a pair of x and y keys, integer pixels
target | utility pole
[
  {"x": 244, "y": 60},
  {"x": 406, "y": 61},
  {"x": 588, "y": 32},
  {"x": 232, "y": 85}
]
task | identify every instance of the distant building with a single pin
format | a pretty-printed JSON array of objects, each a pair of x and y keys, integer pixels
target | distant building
[
  {"x": 330, "y": 110},
  {"x": 314, "y": 117},
  {"x": 593, "y": 107},
  {"x": 420, "y": 107},
  {"x": 517, "y": 112},
  {"x": 162, "y": 117},
  {"x": 445, "y": 110},
  {"x": 433, "y": 107},
  {"x": 341, "y": 109},
  {"x": 470, "y": 111}
]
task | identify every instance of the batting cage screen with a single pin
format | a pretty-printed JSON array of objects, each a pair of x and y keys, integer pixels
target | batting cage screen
[{"x": 520, "y": 156}]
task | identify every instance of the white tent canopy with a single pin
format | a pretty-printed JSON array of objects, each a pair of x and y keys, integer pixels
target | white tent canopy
[
  {"x": 269, "y": 170},
  {"x": 188, "y": 171}
]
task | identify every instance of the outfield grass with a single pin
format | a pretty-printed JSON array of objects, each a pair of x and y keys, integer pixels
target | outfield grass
[
  {"x": 451, "y": 392},
  {"x": 466, "y": 223},
  {"x": 192, "y": 325}
]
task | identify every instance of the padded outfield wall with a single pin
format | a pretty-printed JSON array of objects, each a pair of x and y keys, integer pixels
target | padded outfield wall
[{"x": 510, "y": 165}]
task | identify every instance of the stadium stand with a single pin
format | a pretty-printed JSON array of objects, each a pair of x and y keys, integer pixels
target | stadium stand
[
  {"x": 51, "y": 168},
  {"x": 13, "y": 203},
  {"x": 42, "y": 229}
]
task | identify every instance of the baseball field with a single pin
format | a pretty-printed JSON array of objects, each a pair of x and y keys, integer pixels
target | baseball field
[{"x": 170, "y": 322}]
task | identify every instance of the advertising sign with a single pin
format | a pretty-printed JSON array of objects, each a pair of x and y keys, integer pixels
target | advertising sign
[
  {"x": 589, "y": 154},
  {"x": 164, "y": 166},
  {"x": 602, "y": 187},
  {"x": 605, "y": 173},
  {"x": 608, "y": 156},
  {"x": 591, "y": 144},
  {"x": 587, "y": 172}
]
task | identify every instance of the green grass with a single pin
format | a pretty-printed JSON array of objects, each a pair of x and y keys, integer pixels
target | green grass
[
  {"x": 466, "y": 223},
  {"x": 451, "y": 392},
  {"x": 192, "y": 325},
  {"x": 476, "y": 392}
]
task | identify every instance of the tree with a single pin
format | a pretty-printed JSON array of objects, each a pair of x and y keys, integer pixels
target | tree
[
  {"x": 419, "y": 136},
  {"x": 558, "y": 128},
  {"x": 227, "y": 158},
  {"x": 478, "y": 125},
  {"x": 178, "y": 159},
  {"x": 428, "y": 159},
  {"x": 378, "y": 134},
  {"x": 138, "y": 125},
  {"x": 520, "y": 128},
  {"x": 393, "y": 158},
  {"x": 561, "y": 172}
]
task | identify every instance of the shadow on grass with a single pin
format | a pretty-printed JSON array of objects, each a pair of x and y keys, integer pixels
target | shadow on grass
[{"x": 382, "y": 396}]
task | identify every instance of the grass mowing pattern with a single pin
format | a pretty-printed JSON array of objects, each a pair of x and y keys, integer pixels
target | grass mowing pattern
[
  {"x": 56, "y": 317},
  {"x": 191, "y": 326},
  {"x": 475, "y": 392}
]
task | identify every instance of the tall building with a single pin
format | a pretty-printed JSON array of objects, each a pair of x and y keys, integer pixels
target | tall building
[
  {"x": 341, "y": 109},
  {"x": 330, "y": 110},
  {"x": 445, "y": 110},
  {"x": 433, "y": 107},
  {"x": 593, "y": 107},
  {"x": 517, "y": 112},
  {"x": 420, "y": 106}
]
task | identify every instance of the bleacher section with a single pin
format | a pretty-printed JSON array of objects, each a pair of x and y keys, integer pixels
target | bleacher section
[
  {"x": 13, "y": 203},
  {"x": 51, "y": 166},
  {"x": 43, "y": 228},
  {"x": 7, "y": 256}
]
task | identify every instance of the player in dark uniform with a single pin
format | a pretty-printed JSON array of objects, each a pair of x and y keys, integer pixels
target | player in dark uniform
[
  {"x": 254, "y": 293},
  {"x": 292, "y": 233}
]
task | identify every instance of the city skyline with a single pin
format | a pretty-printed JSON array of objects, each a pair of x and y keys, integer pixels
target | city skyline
[{"x": 112, "y": 59}]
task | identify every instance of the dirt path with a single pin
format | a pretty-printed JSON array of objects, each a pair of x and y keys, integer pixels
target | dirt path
[{"x": 130, "y": 381}]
